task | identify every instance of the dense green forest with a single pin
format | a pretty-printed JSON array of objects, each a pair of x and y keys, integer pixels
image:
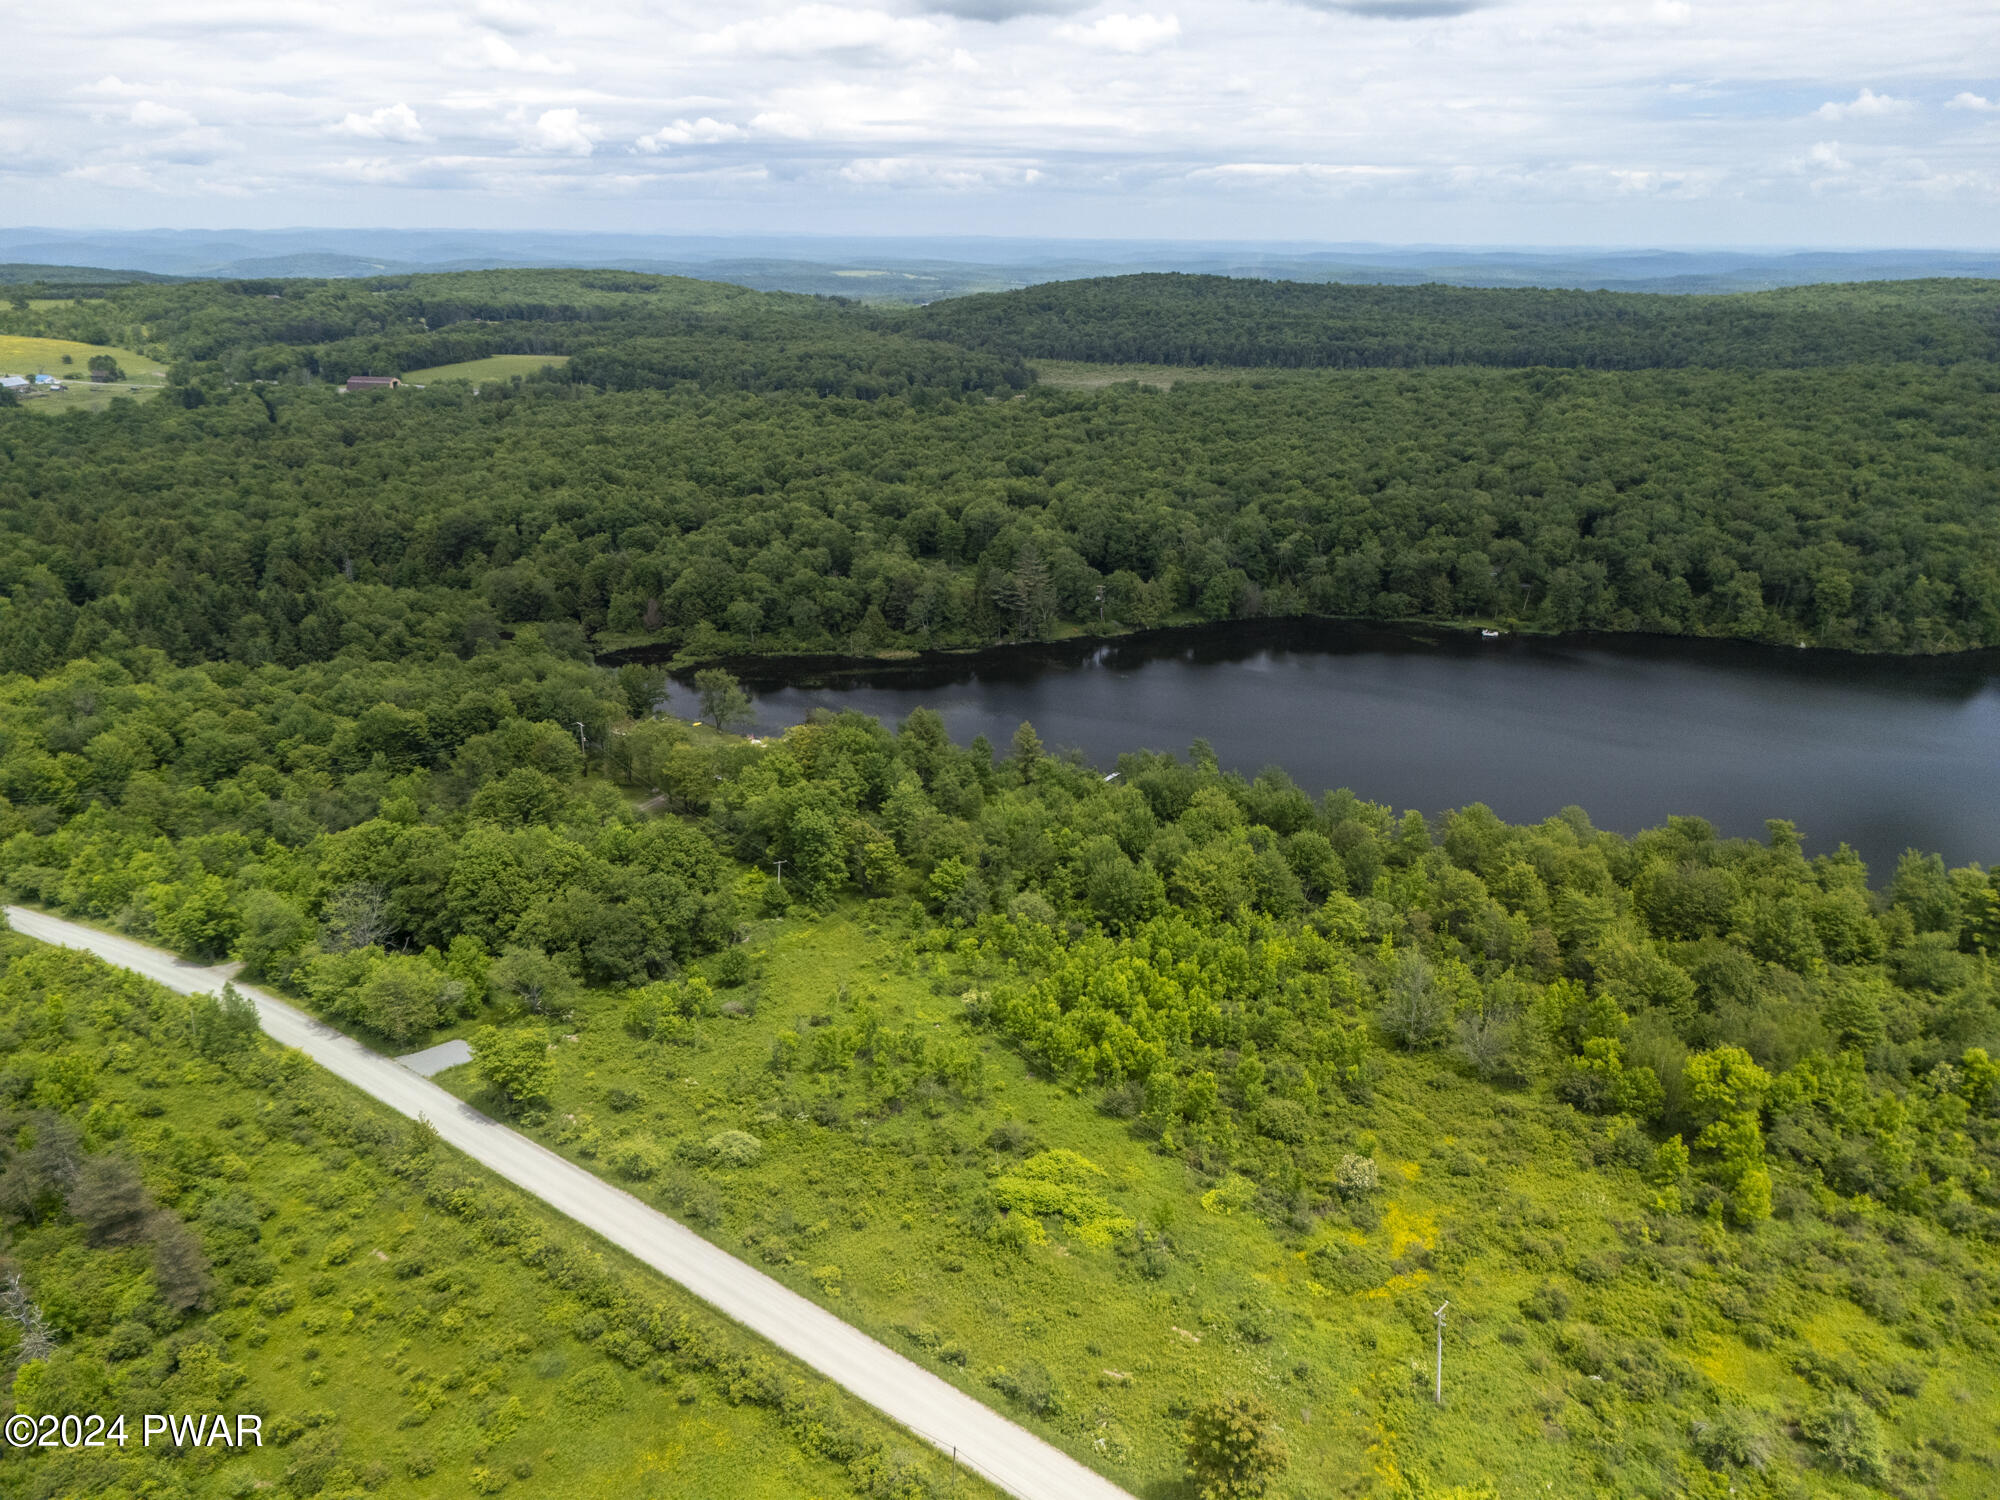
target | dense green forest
[
  {"x": 716, "y": 470},
  {"x": 1173, "y": 319},
  {"x": 1851, "y": 508},
  {"x": 1699, "y": 1134}
]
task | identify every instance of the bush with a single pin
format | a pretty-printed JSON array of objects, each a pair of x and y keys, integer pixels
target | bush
[
  {"x": 1734, "y": 1439},
  {"x": 593, "y": 1392},
  {"x": 515, "y": 1063},
  {"x": 1031, "y": 1386},
  {"x": 1233, "y": 1448},
  {"x": 1063, "y": 1184},
  {"x": 732, "y": 967},
  {"x": 735, "y": 1148},
  {"x": 1356, "y": 1175},
  {"x": 1284, "y": 1120},
  {"x": 659, "y": 1011},
  {"x": 1343, "y": 1267},
  {"x": 1848, "y": 1435},
  {"x": 1547, "y": 1303},
  {"x": 636, "y": 1160}
]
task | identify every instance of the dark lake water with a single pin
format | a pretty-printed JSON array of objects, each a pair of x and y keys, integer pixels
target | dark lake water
[{"x": 1883, "y": 754}]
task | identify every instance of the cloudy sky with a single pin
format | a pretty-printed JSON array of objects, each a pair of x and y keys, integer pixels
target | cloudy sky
[{"x": 1684, "y": 122}]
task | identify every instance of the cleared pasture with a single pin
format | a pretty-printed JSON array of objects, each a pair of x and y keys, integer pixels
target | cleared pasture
[{"x": 493, "y": 367}]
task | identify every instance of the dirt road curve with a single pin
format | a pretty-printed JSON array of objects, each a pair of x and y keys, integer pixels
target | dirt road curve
[{"x": 987, "y": 1443}]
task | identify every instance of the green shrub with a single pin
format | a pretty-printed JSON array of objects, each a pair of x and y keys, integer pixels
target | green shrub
[
  {"x": 1233, "y": 1448},
  {"x": 735, "y": 1148},
  {"x": 1733, "y": 1438},
  {"x": 1030, "y": 1385},
  {"x": 1284, "y": 1120},
  {"x": 1062, "y": 1184},
  {"x": 591, "y": 1392},
  {"x": 1848, "y": 1436}
]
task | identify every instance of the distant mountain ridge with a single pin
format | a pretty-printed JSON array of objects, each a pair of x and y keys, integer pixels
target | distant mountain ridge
[
  {"x": 17, "y": 273},
  {"x": 922, "y": 269}
]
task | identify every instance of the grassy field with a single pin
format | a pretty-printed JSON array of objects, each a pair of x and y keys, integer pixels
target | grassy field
[
  {"x": 387, "y": 1344},
  {"x": 20, "y": 355},
  {"x": 1066, "y": 374},
  {"x": 876, "y": 1197},
  {"x": 493, "y": 367}
]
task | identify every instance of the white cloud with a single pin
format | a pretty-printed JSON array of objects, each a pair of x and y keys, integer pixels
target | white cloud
[
  {"x": 1551, "y": 118},
  {"x": 368, "y": 169},
  {"x": 111, "y": 86},
  {"x": 1397, "y": 10},
  {"x": 951, "y": 176},
  {"x": 392, "y": 122},
  {"x": 781, "y": 124},
  {"x": 150, "y": 116},
  {"x": 1863, "y": 105},
  {"x": 1005, "y": 10},
  {"x": 1252, "y": 173},
  {"x": 827, "y": 30},
  {"x": 702, "y": 132},
  {"x": 559, "y": 132},
  {"x": 124, "y": 175},
  {"x": 736, "y": 175},
  {"x": 511, "y": 16},
  {"x": 498, "y": 55},
  {"x": 1119, "y": 32}
]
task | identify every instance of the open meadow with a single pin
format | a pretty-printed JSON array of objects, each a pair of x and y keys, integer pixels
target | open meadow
[
  {"x": 492, "y": 367},
  {"x": 69, "y": 361}
]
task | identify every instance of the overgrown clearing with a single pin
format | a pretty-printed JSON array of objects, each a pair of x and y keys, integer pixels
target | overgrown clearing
[
  {"x": 1587, "y": 1338},
  {"x": 403, "y": 1322}
]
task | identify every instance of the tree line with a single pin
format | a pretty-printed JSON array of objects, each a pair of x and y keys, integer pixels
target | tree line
[{"x": 1179, "y": 319}]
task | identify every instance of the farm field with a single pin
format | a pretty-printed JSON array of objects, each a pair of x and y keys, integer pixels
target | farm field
[
  {"x": 21, "y": 355},
  {"x": 493, "y": 367}
]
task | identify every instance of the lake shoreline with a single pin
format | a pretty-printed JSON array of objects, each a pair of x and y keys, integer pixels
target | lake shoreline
[
  {"x": 1882, "y": 753},
  {"x": 1335, "y": 632}
]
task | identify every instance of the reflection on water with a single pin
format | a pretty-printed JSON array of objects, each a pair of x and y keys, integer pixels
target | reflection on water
[{"x": 1883, "y": 754}]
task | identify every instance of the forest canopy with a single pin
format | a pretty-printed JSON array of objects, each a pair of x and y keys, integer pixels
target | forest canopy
[
  {"x": 1175, "y": 319},
  {"x": 716, "y": 471}
]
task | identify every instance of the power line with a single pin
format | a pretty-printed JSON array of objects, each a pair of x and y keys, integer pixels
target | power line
[{"x": 1439, "y": 1315}]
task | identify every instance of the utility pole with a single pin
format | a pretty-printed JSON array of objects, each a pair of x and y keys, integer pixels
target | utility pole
[
  {"x": 1439, "y": 1315},
  {"x": 781, "y": 872},
  {"x": 581, "y": 743}
]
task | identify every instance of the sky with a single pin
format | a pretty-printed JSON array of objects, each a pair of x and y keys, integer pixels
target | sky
[{"x": 1521, "y": 122}]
